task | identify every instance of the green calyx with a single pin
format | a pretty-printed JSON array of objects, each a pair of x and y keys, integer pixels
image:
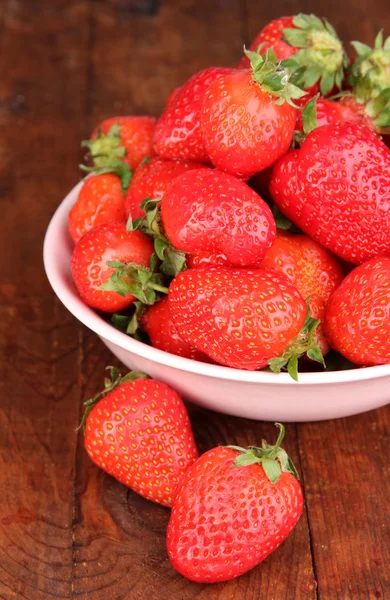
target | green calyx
[
  {"x": 130, "y": 324},
  {"x": 369, "y": 75},
  {"x": 273, "y": 459},
  {"x": 273, "y": 77},
  {"x": 320, "y": 57},
  {"x": 114, "y": 380},
  {"x": 130, "y": 278},
  {"x": 172, "y": 261},
  {"x": 108, "y": 155},
  {"x": 306, "y": 342},
  {"x": 378, "y": 109},
  {"x": 309, "y": 115}
]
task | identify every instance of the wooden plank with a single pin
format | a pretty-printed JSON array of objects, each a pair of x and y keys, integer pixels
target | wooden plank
[{"x": 42, "y": 95}]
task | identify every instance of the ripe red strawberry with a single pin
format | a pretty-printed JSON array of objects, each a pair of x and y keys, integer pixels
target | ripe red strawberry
[
  {"x": 313, "y": 270},
  {"x": 177, "y": 133},
  {"x": 357, "y": 321},
  {"x": 330, "y": 111},
  {"x": 106, "y": 267},
  {"x": 207, "y": 211},
  {"x": 158, "y": 324},
  {"x": 247, "y": 118},
  {"x": 312, "y": 50},
  {"x": 233, "y": 507},
  {"x": 151, "y": 180},
  {"x": 246, "y": 319},
  {"x": 119, "y": 139},
  {"x": 139, "y": 432},
  {"x": 100, "y": 201},
  {"x": 335, "y": 188}
]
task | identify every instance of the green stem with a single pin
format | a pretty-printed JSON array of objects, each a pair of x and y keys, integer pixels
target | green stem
[
  {"x": 158, "y": 288},
  {"x": 275, "y": 449}
]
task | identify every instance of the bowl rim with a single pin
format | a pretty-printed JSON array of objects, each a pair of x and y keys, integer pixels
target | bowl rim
[{"x": 67, "y": 294}]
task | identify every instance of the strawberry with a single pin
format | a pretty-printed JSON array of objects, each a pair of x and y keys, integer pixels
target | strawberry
[
  {"x": 207, "y": 211},
  {"x": 313, "y": 270},
  {"x": 246, "y": 319},
  {"x": 335, "y": 188},
  {"x": 233, "y": 507},
  {"x": 138, "y": 431},
  {"x": 100, "y": 201},
  {"x": 177, "y": 133},
  {"x": 206, "y": 260},
  {"x": 330, "y": 111},
  {"x": 311, "y": 48},
  {"x": 158, "y": 324},
  {"x": 357, "y": 322},
  {"x": 110, "y": 267},
  {"x": 247, "y": 117},
  {"x": 151, "y": 180},
  {"x": 121, "y": 139}
]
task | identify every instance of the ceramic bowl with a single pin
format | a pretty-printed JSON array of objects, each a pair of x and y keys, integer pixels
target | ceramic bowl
[{"x": 252, "y": 394}]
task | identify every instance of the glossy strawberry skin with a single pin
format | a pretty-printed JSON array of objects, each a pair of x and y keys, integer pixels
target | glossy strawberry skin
[
  {"x": 244, "y": 130},
  {"x": 329, "y": 111},
  {"x": 136, "y": 136},
  {"x": 151, "y": 180},
  {"x": 98, "y": 246},
  {"x": 240, "y": 318},
  {"x": 225, "y": 520},
  {"x": 357, "y": 321},
  {"x": 207, "y": 211},
  {"x": 177, "y": 133},
  {"x": 335, "y": 188},
  {"x": 271, "y": 37},
  {"x": 312, "y": 269},
  {"x": 100, "y": 201},
  {"x": 141, "y": 434},
  {"x": 158, "y": 324},
  {"x": 207, "y": 260}
]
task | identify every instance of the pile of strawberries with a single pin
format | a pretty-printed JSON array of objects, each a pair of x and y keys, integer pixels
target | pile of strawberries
[{"x": 248, "y": 226}]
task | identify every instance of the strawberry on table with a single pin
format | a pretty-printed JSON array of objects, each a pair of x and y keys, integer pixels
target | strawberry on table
[
  {"x": 177, "y": 133},
  {"x": 248, "y": 117},
  {"x": 357, "y": 322},
  {"x": 151, "y": 180},
  {"x": 336, "y": 189},
  {"x": 311, "y": 49},
  {"x": 122, "y": 139},
  {"x": 138, "y": 431},
  {"x": 100, "y": 201},
  {"x": 232, "y": 509},
  {"x": 110, "y": 267},
  {"x": 241, "y": 318},
  {"x": 208, "y": 211}
]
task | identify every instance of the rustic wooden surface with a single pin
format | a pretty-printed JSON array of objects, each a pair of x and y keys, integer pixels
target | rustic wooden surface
[{"x": 67, "y": 530}]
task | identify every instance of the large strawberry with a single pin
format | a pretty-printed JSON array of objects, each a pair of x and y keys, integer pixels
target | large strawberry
[
  {"x": 313, "y": 270},
  {"x": 177, "y": 133},
  {"x": 138, "y": 431},
  {"x": 207, "y": 211},
  {"x": 110, "y": 267},
  {"x": 357, "y": 321},
  {"x": 100, "y": 201},
  {"x": 310, "y": 47},
  {"x": 121, "y": 139},
  {"x": 336, "y": 189},
  {"x": 248, "y": 118},
  {"x": 233, "y": 507},
  {"x": 151, "y": 180},
  {"x": 246, "y": 319}
]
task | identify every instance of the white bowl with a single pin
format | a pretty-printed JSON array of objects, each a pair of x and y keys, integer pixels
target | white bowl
[{"x": 252, "y": 394}]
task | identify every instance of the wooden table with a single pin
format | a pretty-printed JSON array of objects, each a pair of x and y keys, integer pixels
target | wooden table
[{"x": 66, "y": 529}]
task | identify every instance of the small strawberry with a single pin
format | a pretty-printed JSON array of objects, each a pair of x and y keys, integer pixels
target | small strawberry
[
  {"x": 100, "y": 201},
  {"x": 121, "y": 139},
  {"x": 177, "y": 133},
  {"x": 246, "y": 319},
  {"x": 151, "y": 180},
  {"x": 248, "y": 118},
  {"x": 357, "y": 322},
  {"x": 138, "y": 431},
  {"x": 162, "y": 333},
  {"x": 311, "y": 48},
  {"x": 335, "y": 188},
  {"x": 110, "y": 267},
  {"x": 233, "y": 507},
  {"x": 313, "y": 270},
  {"x": 207, "y": 211}
]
